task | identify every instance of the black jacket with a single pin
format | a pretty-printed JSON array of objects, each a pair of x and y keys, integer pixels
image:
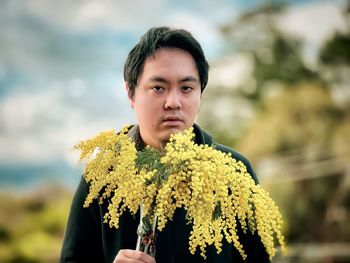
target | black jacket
[{"x": 88, "y": 239}]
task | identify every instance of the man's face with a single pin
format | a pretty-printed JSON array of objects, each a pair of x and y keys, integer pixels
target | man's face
[{"x": 167, "y": 96}]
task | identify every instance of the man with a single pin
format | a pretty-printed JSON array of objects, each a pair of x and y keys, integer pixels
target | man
[{"x": 165, "y": 75}]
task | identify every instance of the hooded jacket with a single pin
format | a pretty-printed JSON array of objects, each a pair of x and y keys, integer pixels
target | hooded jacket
[{"x": 88, "y": 239}]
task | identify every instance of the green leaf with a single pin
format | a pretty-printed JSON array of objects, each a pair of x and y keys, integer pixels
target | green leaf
[{"x": 217, "y": 211}]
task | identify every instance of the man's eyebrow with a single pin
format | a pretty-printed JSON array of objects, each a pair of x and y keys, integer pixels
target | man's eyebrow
[
  {"x": 163, "y": 80},
  {"x": 189, "y": 78},
  {"x": 158, "y": 79}
]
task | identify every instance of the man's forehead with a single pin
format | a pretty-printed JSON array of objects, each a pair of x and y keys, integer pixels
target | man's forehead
[{"x": 159, "y": 78}]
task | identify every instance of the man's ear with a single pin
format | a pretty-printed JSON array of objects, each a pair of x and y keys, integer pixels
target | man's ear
[{"x": 128, "y": 92}]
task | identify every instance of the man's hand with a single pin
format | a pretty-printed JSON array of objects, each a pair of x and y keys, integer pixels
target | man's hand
[{"x": 133, "y": 256}]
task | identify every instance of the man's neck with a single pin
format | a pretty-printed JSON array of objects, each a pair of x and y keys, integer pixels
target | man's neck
[{"x": 134, "y": 134}]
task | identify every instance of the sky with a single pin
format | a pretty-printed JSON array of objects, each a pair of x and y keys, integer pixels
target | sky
[{"x": 61, "y": 69}]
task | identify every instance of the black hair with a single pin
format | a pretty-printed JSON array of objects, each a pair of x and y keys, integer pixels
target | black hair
[{"x": 160, "y": 37}]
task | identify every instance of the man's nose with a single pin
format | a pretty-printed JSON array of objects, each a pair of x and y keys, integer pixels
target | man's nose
[{"x": 173, "y": 100}]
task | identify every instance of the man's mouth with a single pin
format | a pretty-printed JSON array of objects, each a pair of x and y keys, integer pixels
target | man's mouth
[{"x": 172, "y": 120}]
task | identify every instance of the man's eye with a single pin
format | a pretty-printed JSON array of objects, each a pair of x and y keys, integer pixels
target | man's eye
[
  {"x": 157, "y": 88},
  {"x": 187, "y": 88}
]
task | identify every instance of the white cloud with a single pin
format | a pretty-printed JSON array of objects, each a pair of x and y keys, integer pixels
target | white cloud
[
  {"x": 43, "y": 126},
  {"x": 314, "y": 23},
  {"x": 21, "y": 111},
  {"x": 84, "y": 15},
  {"x": 232, "y": 71},
  {"x": 121, "y": 14},
  {"x": 208, "y": 34}
]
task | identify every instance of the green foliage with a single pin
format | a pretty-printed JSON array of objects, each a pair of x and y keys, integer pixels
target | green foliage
[
  {"x": 297, "y": 127},
  {"x": 336, "y": 50},
  {"x": 149, "y": 158},
  {"x": 32, "y": 225},
  {"x": 306, "y": 203},
  {"x": 295, "y": 117},
  {"x": 217, "y": 211},
  {"x": 285, "y": 66}
]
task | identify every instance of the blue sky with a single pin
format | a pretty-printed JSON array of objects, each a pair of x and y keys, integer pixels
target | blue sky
[{"x": 61, "y": 68}]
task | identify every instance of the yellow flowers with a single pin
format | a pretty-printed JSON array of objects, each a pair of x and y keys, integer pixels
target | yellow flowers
[{"x": 216, "y": 190}]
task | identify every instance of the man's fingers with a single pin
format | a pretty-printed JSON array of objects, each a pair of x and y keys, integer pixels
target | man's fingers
[
  {"x": 139, "y": 255},
  {"x": 128, "y": 255}
]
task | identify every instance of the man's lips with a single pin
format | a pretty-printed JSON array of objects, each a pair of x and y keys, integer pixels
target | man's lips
[{"x": 172, "y": 120}]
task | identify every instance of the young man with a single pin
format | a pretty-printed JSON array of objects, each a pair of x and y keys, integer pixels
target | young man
[{"x": 165, "y": 75}]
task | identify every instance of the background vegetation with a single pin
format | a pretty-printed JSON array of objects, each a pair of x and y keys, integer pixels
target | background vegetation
[
  {"x": 32, "y": 225},
  {"x": 296, "y": 131}
]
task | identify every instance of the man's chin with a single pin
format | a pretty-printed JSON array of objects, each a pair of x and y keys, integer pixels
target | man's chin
[
  {"x": 174, "y": 130},
  {"x": 168, "y": 132}
]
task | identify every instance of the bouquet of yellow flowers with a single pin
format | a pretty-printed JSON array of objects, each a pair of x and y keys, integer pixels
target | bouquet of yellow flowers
[{"x": 216, "y": 190}]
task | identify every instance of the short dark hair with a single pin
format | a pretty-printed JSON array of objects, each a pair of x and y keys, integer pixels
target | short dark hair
[{"x": 160, "y": 37}]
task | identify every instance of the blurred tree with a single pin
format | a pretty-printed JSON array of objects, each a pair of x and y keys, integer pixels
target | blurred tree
[
  {"x": 276, "y": 57},
  {"x": 32, "y": 225},
  {"x": 293, "y": 122},
  {"x": 274, "y": 61},
  {"x": 295, "y": 117},
  {"x": 336, "y": 50}
]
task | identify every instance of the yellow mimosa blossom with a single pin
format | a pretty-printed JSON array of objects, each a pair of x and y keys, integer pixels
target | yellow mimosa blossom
[{"x": 215, "y": 189}]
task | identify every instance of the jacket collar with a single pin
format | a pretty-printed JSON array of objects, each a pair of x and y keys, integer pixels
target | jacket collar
[{"x": 201, "y": 137}]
